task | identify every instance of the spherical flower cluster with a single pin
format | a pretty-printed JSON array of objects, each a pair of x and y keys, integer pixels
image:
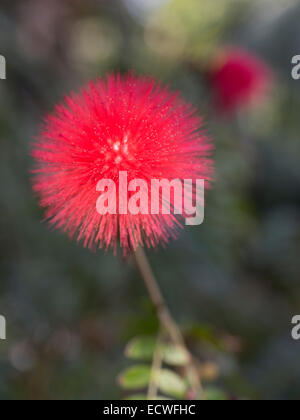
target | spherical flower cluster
[
  {"x": 238, "y": 78},
  {"x": 121, "y": 123}
]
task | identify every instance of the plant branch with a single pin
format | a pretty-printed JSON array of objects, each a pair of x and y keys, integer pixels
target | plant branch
[{"x": 165, "y": 318}]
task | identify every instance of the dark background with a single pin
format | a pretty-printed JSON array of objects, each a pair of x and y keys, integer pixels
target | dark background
[{"x": 233, "y": 284}]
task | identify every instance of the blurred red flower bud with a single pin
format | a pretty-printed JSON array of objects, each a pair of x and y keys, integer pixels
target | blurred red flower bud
[{"x": 238, "y": 78}]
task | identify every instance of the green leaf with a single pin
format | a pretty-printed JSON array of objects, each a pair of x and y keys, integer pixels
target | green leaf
[
  {"x": 171, "y": 384},
  {"x": 137, "y": 397},
  {"x": 205, "y": 333},
  {"x": 141, "y": 348},
  {"x": 215, "y": 394},
  {"x": 144, "y": 397},
  {"x": 176, "y": 355},
  {"x": 135, "y": 377}
]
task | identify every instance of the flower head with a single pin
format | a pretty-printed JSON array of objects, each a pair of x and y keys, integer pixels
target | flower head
[
  {"x": 238, "y": 78},
  {"x": 120, "y": 124}
]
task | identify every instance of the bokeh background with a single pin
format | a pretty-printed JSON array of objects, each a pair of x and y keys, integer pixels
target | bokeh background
[{"x": 233, "y": 284}]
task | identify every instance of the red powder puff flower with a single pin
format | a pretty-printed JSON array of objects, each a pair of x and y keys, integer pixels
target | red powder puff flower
[
  {"x": 130, "y": 124},
  {"x": 238, "y": 78}
]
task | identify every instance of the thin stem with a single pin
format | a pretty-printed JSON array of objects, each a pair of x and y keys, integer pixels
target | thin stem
[
  {"x": 157, "y": 299},
  {"x": 165, "y": 318}
]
